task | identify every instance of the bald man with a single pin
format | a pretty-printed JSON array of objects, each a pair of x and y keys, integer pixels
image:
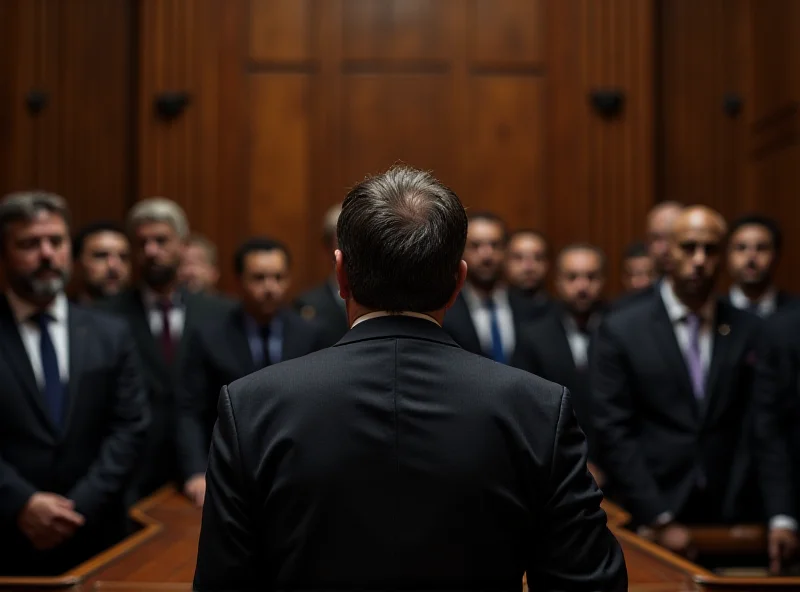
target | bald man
[{"x": 671, "y": 382}]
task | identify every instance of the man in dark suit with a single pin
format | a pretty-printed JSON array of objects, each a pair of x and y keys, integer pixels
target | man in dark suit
[
  {"x": 102, "y": 255},
  {"x": 73, "y": 413},
  {"x": 672, "y": 383},
  {"x": 159, "y": 312},
  {"x": 487, "y": 317},
  {"x": 527, "y": 263},
  {"x": 258, "y": 332},
  {"x": 323, "y": 303},
  {"x": 777, "y": 427},
  {"x": 754, "y": 249},
  {"x": 559, "y": 342},
  {"x": 396, "y": 459}
]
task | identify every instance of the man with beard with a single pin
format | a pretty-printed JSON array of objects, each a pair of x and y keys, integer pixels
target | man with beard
[
  {"x": 486, "y": 317},
  {"x": 672, "y": 376},
  {"x": 259, "y": 332},
  {"x": 754, "y": 249},
  {"x": 527, "y": 264},
  {"x": 73, "y": 412},
  {"x": 560, "y": 341},
  {"x": 102, "y": 254},
  {"x": 159, "y": 312}
]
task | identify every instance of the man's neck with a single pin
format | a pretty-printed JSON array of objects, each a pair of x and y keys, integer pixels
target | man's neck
[
  {"x": 166, "y": 292},
  {"x": 484, "y": 292},
  {"x": 755, "y": 292}
]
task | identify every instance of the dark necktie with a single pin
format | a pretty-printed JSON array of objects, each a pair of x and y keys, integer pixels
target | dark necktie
[
  {"x": 694, "y": 357},
  {"x": 53, "y": 389},
  {"x": 753, "y": 308},
  {"x": 265, "y": 346},
  {"x": 496, "y": 352},
  {"x": 167, "y": 343}
]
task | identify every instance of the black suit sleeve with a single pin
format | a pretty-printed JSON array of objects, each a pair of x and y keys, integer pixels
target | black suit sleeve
[
  {"x": 192, "y": 399},
  {"x": 775, "y": 384},
  {"x": 616, "y": 426},
  {"x": 225, "y": 558},
  {"x": 120, "y": 451},
  {"x": 578, "y": 551},
  {"x": 14, "y": 494}
]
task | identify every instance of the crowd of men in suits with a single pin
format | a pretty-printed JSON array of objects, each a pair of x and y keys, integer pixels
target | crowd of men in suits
[{"x": 690, "y": 401}]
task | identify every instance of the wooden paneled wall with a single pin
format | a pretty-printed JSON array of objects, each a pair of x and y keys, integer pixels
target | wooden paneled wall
[{"x": 293, "y": 101}]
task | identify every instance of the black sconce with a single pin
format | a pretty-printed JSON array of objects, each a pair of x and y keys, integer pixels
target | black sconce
[
  {"x": 170, "y": 105},
  {"x": 36, "y": 101},
  {"x": 607, "y": 102},
  {"x": 732, "y": 104}
]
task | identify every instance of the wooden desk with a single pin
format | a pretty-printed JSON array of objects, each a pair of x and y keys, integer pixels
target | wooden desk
[{"x": 161, "y": 557}]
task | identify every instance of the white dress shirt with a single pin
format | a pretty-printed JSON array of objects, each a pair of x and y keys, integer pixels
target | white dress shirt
[
  {"x": 765, "y": 306},
  {"x": 579, "y": 340},
  {"x": 678, "y": 313},
  {"x": 31, "y": 336},
  {"x": 482, "y": 319},
  {"x": 382, "y": 313},
  {"x": 176, "y": 316}
]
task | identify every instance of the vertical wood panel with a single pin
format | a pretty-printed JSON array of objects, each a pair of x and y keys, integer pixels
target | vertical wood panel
[
  {"x": 280, "y": 161},
  {"x": 506, "y": 148},
  {"x": 506, "y": 32},
  {"x": 281, "y": 30},
  {"x": 601, "y": 170}
]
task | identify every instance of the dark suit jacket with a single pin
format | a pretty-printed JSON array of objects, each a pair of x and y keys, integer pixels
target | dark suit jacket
[
  {"x": 634, "y": 296},
  {"x": 458, "y": 323},
  {"x": 320, "y": 305},
  {"x": 398, "y": 460},
  {"x": 90, "y": 459},
  {"x": 655, "y": 439},
  {"x": 551, "y": 358},
  {"x": 217, "y": 354},
  {"x": 777, "y": 413},
  {"x": 159, "y": 464}
]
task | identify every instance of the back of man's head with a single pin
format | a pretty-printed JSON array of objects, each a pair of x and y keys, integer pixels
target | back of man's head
[{"x": 402, "y": 236}]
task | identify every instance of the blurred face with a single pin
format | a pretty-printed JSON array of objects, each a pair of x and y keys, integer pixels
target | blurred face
[
  {"x": 526, "y": 262},
  {"x": 105, "y": 263},
  {"x": 159, "y": 250},
  {"x": 580, "y": 280},
  {"x": 196, "y": 271},
  {"x": 659, "y": 230},
  {"x": 640, "y": 272},
  {"x": 264, "y": 282},
  {"x": 695, "y": 252},
  {"x": 484, "y": 253},
  {"x": 751, "y": 255},
  {"x": 37, "y": 256}
]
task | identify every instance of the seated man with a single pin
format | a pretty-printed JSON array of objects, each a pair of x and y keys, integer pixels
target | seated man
[
  {"x": 672, "y": 381},
  {"x": 73, "y": 411},
  {"x": 262, "y": 330}
]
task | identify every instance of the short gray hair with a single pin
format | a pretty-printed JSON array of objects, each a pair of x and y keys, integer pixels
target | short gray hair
[
  {"x": 159, "y": 209},
  {"x": 24, "y": 206}
]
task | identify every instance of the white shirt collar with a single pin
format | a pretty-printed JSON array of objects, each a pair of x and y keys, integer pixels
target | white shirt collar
[
  {"x": 382, "y": 313},
  {"x": 474, "y": 301},
  {"x": 152, "y": 299},
  {"x": 23, "y": 310},
  {"x": 677, "y": 310},
  {"x": 766, "y": 304}
]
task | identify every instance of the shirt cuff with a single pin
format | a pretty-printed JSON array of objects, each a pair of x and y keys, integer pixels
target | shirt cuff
[{"x": 783, "y": 522}]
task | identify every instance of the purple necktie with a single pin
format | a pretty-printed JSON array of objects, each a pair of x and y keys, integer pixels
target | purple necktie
[{"x": 694, "y": 358}]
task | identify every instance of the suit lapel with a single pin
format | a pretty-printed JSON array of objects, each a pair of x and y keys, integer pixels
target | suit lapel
[
  {"x": 291, "y": 338},
  {"x": 722, "y": 341},
  {"x": 77, "y": 333},
  {"x": 664, "y": 336},
  {"x": 18, "y": 361}
]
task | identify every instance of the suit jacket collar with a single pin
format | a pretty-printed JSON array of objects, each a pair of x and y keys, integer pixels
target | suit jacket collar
[{"x": 397, "y": 326}]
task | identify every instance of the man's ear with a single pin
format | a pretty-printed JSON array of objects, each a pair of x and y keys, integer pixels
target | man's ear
[
  {"x": 341, "y": 275},
  {"x": 461, "y": 277}
]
